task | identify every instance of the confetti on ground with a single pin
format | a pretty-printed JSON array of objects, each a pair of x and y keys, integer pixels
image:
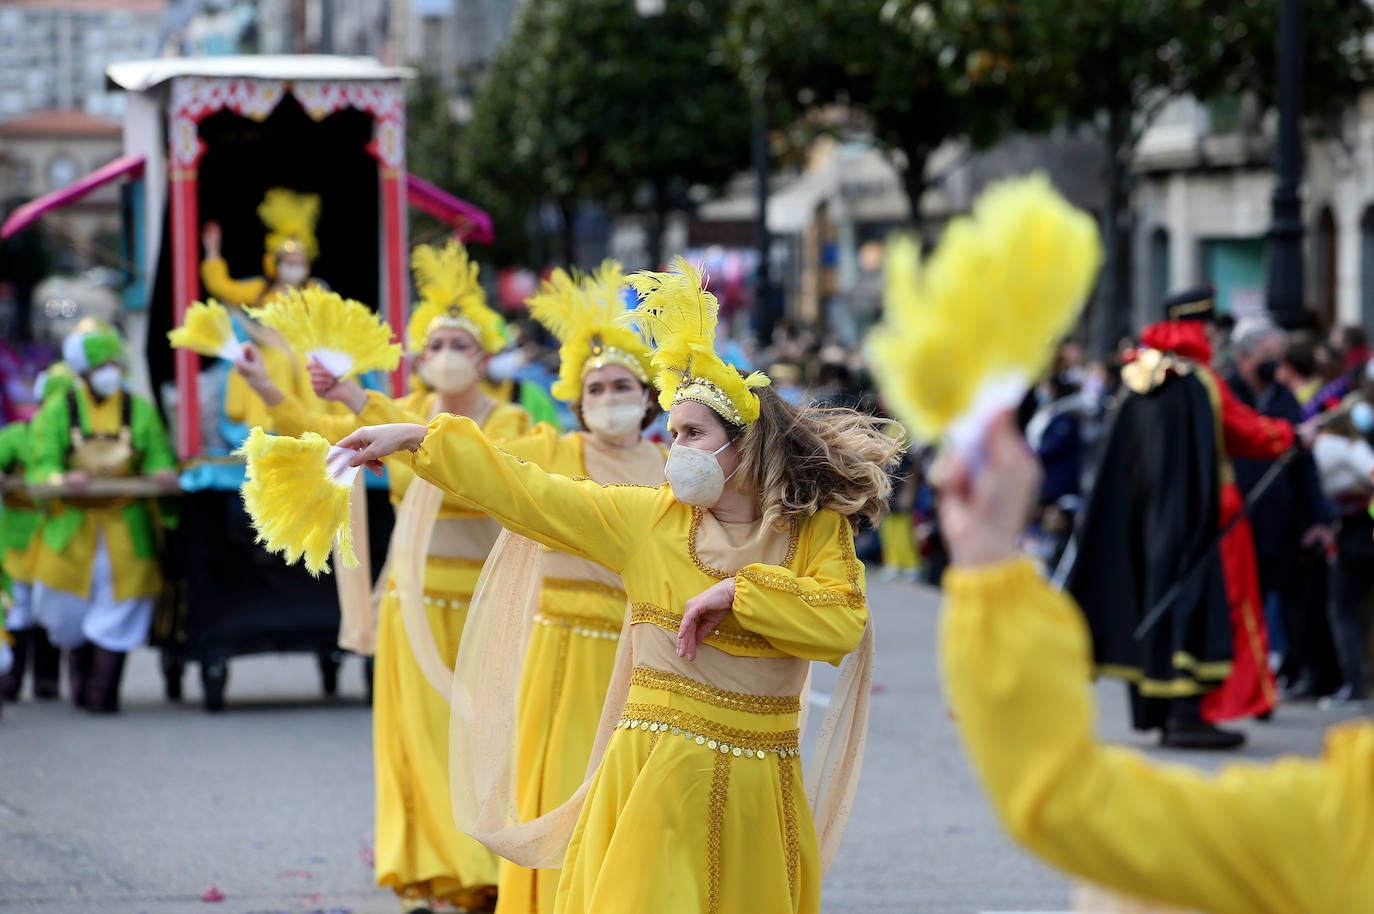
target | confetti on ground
[
  {"x": 312, "y": 900},
  {"x": 212, "y": 894},
  {"x": 295, "y": 874}
]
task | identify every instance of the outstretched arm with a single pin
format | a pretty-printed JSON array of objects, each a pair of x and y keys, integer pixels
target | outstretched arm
[
  {"x": 580, "y": 517},
  {"x": 1293, "y": 836}
]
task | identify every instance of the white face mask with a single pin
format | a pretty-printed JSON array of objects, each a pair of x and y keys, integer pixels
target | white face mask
[
  {"x": 106, "y": 380},
  {"x": 449, "y": 372},
  {"x": 615, "y": 418},
  {"x": 695, "y": 475},
  {"x": 293, "y": 274}
]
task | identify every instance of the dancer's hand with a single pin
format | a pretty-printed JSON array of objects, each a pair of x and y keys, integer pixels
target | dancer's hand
[
  {"x": 253, "y": 370},
  {"x": 167, "y": 480},
  {"x": 210, "y": 238},
  {"x": 341, "y": 390},
  {"x": 375, "y": 442},
  {"x": 983, "y": 516},
  {"x": 703, "y": 615}
]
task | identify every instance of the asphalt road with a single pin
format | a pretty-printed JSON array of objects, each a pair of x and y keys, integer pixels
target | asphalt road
[{"x": 271, "y": 802}]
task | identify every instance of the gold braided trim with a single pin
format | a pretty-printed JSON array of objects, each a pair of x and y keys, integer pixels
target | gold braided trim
[
  {"x": 586, "y": 626},
  {"x": 714, "y": 736},
  {"x": 700, "y": 691},
  {"x": 1178, "y": 687},
  {"x": 1217, "y": 669},
  {"x": 715, "y": 824},
  {"x": 575, "y": 585},
  {"x": 453, "y": 599},
  {"x": 793, "y": 535},
  {"x": 657, "y": 615},
  {"x": 789, "y": 819}
]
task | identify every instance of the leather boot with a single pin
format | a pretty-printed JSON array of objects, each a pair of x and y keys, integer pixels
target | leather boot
[
  {"x": 13, "y": 682},
  {"x": 1185, "y": 729},
  {"x": 47, "y": 665},
  {"x": 79, "y": 661},
  {"x": 102, "y": 688}
]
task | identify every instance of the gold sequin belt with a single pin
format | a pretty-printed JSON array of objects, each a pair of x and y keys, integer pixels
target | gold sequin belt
[
  {"x": 700, "y": 691},
  {"x": 708, "y": 733},
  {"x": 586, "y": 626}
]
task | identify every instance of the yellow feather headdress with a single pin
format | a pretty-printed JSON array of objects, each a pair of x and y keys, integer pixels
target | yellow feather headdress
[
  {"x": 296, "y": 491},
  {"x": 344, "y": 335},
  {"x": 290, "y": 219},
  {"x": 965, "y": 333},
  {"x": 450, "y": 296},
  {"x": 584, "y": 317},
  {"x": 208, "y": 330},
  {"x": 679, "y": 317}
]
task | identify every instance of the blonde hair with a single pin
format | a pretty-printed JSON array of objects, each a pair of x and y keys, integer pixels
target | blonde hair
[{"x": 800, "y": 460}]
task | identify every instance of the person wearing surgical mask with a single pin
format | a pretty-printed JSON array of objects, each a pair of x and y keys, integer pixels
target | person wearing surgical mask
[
  {"x": 739, "y": 573},
  {"x": 95, "y": 567},
  {"x": 1345, "y": 461},
  {"x": 1292, "y": 519},
  {"x": 290, "y": 249},
  {"x": 450, "y": 337},
  {"x": 566, "y": 664}
]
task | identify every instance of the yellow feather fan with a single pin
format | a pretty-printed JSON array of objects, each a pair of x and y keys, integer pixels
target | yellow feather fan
[
  {"x": 343, "y": 335},
  {"x": 289, "y": 217},
  {"x": 451, "y": 296},
  {"x": 965, "y": 333},
  {"x": 296, "y": 491},
  {"x": 679, "y": 317},
  {"x": 207, "y": 330},
  {"x": 584, "y": 317}
]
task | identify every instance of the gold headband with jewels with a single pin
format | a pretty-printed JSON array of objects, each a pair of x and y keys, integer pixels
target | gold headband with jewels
[
  {"x": 679, "y": 315},
  {"x": 451, "y": 297},
  {"x": 582, "y": 312}
]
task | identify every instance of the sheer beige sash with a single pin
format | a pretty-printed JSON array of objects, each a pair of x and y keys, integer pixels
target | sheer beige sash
[{"x": 357, "y": 604}]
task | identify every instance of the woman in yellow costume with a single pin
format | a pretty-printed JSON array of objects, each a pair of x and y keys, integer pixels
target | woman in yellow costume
[
  {"x": 291, "y": 246},
  {"x": 604, "y": 376},
  {"x": 419, "y": 852},
  {"x": 739, "y": 572},
  {"x": 96, "y": 568}
]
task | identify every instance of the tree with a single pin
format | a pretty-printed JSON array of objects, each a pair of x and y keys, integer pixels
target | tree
[
  {"x": 1115, "y": 64},
  {"x": 921, "y": 73},
  {"x": 590, "y": 102}
]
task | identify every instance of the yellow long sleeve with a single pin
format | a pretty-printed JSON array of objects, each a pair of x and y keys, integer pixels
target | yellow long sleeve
[
  {"x": 580, "y": 517},
  {"x": 214, "y": 274},
  {"x": 818, "y": 614},
  {"x": 290, "y": 417},
  {"x": 1293, "y": 836}
]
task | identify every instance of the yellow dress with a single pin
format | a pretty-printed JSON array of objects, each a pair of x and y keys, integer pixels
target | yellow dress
[
  {"x": 698, "y": 804},
  {"x": 570, "y": 655},
  {"x": 1292, "y": 837},
  {"x": 417, "y": 847}
]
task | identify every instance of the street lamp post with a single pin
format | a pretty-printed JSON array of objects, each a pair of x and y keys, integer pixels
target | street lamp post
[{"x": 1285, "y": 287}]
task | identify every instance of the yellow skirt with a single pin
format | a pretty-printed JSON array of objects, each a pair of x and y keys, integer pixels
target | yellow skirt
[
  {"x": 697, "y": 808},
  {"x": 70, "y": 570},
  {"x": 568, "y": 667},
  {"x": 419, "y": 851}
]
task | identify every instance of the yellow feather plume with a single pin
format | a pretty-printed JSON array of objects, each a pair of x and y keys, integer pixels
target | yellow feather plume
[
  {"x": 297, "y": 509},
  {"x": 583, "y": 314},
  {"x": 978, "y": 322},
  {"x": 679, "y": 317},
  {"x": 346, "y": 336},
  {"x": 447, "y": 281},
  {"x": 207, "y": 330},
  {"x": 290, "y": 216}
]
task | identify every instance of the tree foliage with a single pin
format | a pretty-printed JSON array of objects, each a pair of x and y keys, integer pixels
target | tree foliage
[{"x": 590, "y": 102}]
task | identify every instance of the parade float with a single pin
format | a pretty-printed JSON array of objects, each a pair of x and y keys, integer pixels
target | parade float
[{"x": 204, "y": 141}]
